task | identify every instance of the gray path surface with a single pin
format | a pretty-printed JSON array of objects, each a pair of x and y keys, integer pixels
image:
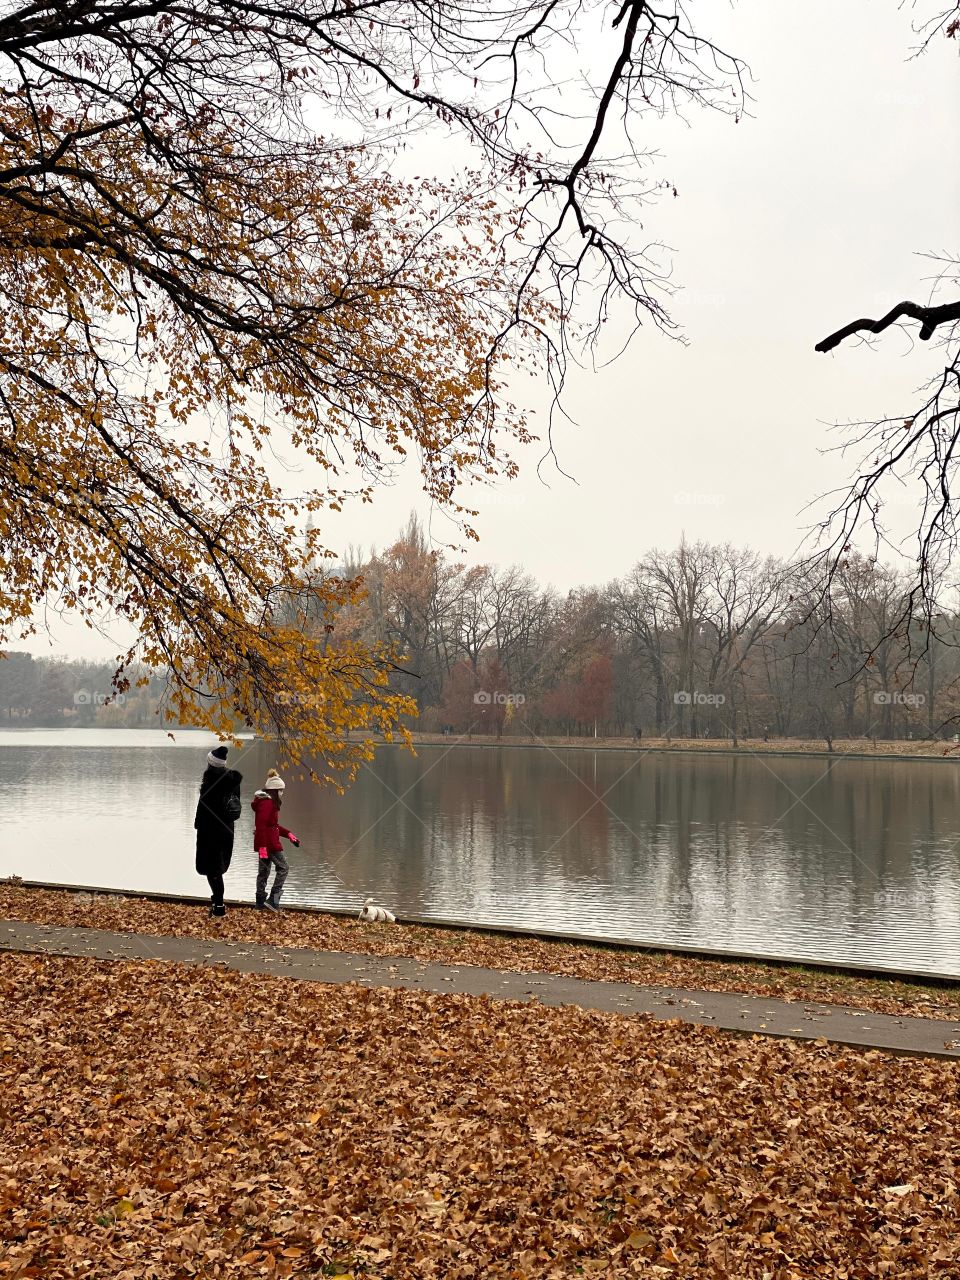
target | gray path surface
[{"x": 732, "y": 1012}]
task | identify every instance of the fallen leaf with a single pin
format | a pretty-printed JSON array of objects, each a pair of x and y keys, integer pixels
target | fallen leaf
[{"x": 638, "y": 1240}]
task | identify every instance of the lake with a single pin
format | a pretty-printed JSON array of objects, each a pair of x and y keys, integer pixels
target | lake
[{"x": 811, "y": 858}]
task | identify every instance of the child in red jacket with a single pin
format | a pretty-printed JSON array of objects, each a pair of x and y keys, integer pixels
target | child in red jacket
[{"x": 267, "y": 833}]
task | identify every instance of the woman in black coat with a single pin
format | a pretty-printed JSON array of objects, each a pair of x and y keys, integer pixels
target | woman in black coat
[{"x": 217, "y": 810}]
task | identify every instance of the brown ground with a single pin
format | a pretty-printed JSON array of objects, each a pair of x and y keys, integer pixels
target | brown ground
[
  {"x": 335, "y": 933},
  {"x": 159, "y": 1122}
]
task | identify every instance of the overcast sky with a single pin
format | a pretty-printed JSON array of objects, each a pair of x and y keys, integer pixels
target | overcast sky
[
  {"x": 787, "y": 225},
  {"x": 809, "y": 214}
]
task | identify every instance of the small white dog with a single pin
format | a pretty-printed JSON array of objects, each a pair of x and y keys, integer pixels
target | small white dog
[{"x": 380, "y": 915}]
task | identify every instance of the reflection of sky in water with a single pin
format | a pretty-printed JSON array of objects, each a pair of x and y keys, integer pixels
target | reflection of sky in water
[{"x": 806, "y": 858}]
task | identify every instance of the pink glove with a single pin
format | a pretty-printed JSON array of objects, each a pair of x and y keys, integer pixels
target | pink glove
[
  {"x": 264, "y": 854},
  {"x": 294, "y": 840}
]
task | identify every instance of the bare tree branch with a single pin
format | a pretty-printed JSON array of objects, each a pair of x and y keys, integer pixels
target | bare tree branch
[{"x": 930, "y": 320}]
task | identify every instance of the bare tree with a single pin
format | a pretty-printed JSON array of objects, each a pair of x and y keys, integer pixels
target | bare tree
[
  {"x": 680, "y": 583},
  {"x": 747, "y": 596},
  {"x": 474, "y": 619},
  {"x": 642, "y": 613},
  {"x": 914, "y": 449}
]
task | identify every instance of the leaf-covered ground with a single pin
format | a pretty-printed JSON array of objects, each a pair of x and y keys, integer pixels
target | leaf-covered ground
[
  {"x": 335, "y": 933},
  {"x": 162, "y": 1122}
]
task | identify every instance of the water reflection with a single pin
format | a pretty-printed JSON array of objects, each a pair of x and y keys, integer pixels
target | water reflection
[{"x": 813, "y": 859}]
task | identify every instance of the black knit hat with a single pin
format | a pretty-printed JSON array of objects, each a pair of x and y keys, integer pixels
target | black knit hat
[{"x": 218, "y": 757}]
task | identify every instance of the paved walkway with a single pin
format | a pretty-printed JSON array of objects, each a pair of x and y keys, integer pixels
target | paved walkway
[{"x": 925, "y": 1037}]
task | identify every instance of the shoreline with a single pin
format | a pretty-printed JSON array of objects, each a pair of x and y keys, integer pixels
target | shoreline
[
  {"x": 713, "y": 955},
  {"x": 843, "y": 748},
  {"x": 848, "y": 748}
]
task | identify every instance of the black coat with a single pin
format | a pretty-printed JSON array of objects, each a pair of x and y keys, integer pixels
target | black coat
[{"x": 214, "y": 829}]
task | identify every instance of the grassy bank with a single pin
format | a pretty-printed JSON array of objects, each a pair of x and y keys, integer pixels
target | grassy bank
[
  {"x": 449, "y": 946},
  {"x": 166, "y": 1122}
]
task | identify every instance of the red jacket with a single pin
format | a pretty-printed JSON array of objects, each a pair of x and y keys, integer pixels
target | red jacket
[{"x": 267, "y": 829}]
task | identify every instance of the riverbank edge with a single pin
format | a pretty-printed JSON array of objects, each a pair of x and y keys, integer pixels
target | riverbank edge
[
  {"x": 655, "y": 747},
  {"x": 943, "y": 982}
]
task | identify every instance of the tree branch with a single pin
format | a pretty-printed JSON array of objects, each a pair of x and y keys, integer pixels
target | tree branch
[{"x": 930, "y": 319}]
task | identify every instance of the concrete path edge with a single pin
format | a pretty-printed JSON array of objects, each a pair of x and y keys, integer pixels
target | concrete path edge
[{"x": 727, "y": 1011}]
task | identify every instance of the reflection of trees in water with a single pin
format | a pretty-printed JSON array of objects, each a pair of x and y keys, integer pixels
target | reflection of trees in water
[
  {"x": 471, "y": 825},
  {"x": 738, "y": 852}
]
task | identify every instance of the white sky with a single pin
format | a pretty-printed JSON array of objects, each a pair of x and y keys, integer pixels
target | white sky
[{"x": 789, "y": 224}]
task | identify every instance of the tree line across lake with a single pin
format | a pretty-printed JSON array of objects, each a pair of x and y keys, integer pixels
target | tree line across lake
[
  {"x": 56, "y": 693},
  {"x": 704, "y": 640}
]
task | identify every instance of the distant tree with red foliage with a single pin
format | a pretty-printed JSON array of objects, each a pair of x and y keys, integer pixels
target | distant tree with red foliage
[
  {"x": 477, "y": 701},
  {"x": 595, "y": 693},
  {"x": 459, "y": 708},
  {"x": 559, "y": 705},
  {"x": 494, "y": 689}
]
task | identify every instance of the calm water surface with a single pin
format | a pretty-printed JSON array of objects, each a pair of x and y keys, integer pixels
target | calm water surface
[{"x": 808, "y": 858}]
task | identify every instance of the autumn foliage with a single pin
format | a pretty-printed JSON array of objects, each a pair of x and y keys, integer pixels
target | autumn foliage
[{"x": 195, "y": 282}]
